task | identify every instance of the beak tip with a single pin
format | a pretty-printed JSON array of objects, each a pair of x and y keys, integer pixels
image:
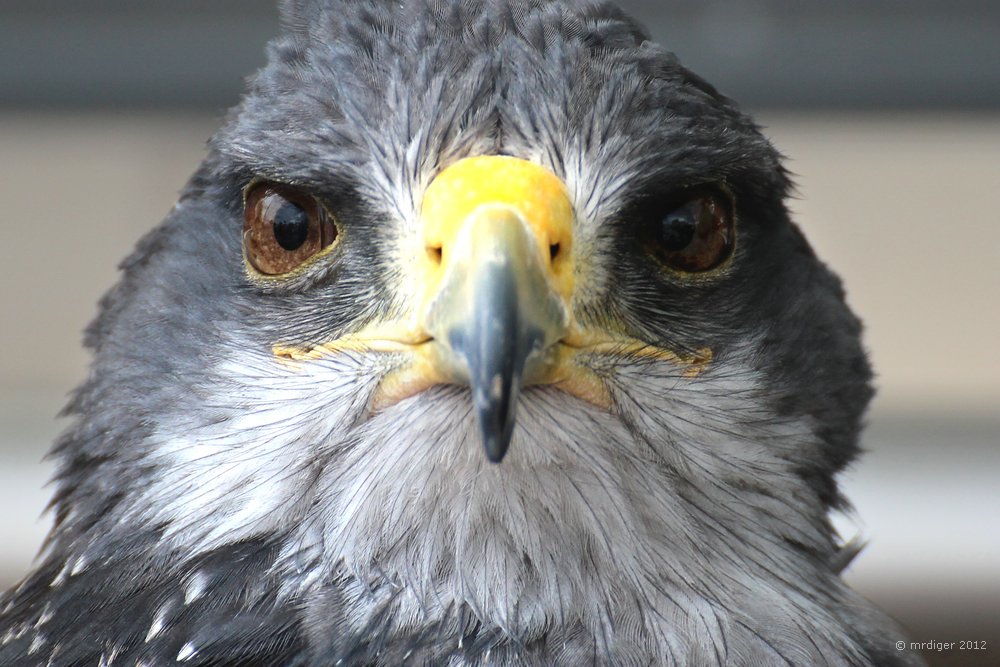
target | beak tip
[
  {"x": 496, "y": 447},
  {"x": 496, "y": 422}
]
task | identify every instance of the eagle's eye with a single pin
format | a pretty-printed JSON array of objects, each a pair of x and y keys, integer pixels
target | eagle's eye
[
  {"x": 283, "y": 228},
  {"x": 694, "y": 234}
]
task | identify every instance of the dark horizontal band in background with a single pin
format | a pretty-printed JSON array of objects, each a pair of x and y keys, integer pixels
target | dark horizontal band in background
[{"x": 894, "y": 54}]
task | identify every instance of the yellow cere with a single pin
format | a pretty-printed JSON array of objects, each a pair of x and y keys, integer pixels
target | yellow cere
[{"x": 535, "y": 193}]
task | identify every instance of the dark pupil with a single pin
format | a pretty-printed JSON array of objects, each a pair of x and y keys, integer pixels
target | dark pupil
[
  {"x": 678, "y": 228},
  {"x": 291, "y": 226}
]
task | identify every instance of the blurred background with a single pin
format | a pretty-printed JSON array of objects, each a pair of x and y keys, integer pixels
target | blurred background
[{"x": 889, "y": 113}]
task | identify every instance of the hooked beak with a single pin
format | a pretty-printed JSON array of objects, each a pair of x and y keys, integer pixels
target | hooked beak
[
  {"x": 499, "y": 231},
  {"x": 496, "y": 317}
]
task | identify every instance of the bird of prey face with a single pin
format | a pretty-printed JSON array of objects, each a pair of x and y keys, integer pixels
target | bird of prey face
[{"x": 481, "y": 337}]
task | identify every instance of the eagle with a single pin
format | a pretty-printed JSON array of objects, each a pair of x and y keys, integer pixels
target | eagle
[{"x": 481, "y": 337}]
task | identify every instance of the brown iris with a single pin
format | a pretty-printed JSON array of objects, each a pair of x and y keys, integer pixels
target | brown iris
[
  {"x": 693, "y": 235},
  {"x": 283, "y": 228}
]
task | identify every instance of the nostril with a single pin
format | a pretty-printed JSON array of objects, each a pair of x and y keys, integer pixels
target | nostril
[
  {"x": 435, "y": 254},
  {"x": 553, "y": 251}
]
